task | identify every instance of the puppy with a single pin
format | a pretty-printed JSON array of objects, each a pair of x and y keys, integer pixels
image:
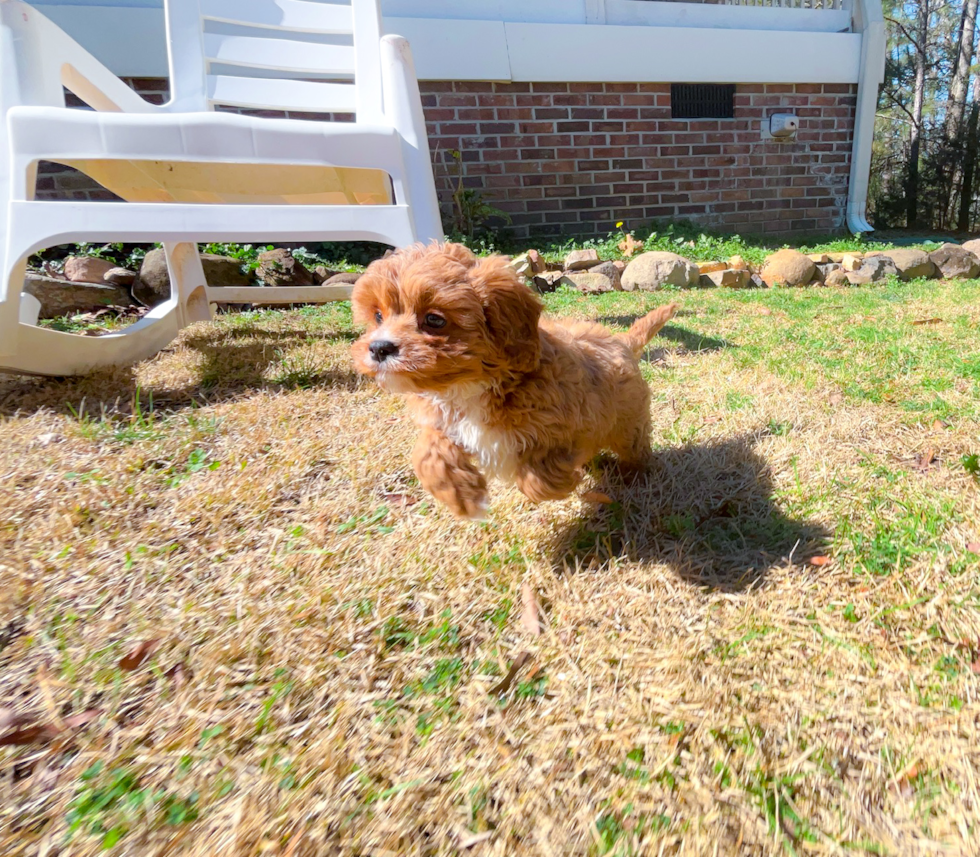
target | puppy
[{"x": 497, "y": 390}]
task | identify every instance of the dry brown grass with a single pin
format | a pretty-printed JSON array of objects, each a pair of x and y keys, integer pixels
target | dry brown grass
[{"x": 699, "y": 686}]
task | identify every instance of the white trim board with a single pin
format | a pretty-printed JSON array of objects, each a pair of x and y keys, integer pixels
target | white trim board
[{"x": 131, "y": 43}]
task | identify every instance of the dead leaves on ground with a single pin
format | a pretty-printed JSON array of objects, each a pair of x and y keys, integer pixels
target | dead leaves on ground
[
  {"x": 629, "y": 245},
  {"x": 22, "y": 729},
  {"x": 138, "y": 655}
]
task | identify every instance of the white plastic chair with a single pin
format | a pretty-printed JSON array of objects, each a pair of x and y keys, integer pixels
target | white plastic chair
[{"x": 190, "y": 174}]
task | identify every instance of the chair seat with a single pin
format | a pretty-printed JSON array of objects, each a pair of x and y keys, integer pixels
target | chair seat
[{"x": 265, "y": 184}]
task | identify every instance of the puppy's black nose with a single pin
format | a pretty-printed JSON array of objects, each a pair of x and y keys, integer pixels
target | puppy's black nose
[{"x": 382, "y": 349}]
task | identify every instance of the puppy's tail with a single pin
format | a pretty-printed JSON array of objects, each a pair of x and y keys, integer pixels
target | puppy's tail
[{"x": 644, "y": 329}]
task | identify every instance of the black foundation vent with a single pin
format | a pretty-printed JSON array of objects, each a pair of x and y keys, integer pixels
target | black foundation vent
[{"x": 702, "y": 101}]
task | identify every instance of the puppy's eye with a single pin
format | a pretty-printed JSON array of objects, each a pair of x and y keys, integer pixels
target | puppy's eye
[
  {"x": 434, "y": 321},
  {"x": 378, "y": 317}
]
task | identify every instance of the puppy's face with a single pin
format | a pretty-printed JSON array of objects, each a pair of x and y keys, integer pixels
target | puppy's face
[{"x": 438, "y": 317}]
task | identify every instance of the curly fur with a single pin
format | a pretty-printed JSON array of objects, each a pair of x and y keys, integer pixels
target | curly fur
[{"x": 496, "y": 389}]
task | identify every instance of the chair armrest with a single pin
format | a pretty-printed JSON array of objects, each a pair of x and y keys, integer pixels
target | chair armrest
[{"x": 43, "y": 52}]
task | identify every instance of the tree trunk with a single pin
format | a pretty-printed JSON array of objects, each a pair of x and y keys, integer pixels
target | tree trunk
[
  {"x": 969, "y": 162},
  {"x": 960, "y": 83},
  {"x": 915, "y": 134}
]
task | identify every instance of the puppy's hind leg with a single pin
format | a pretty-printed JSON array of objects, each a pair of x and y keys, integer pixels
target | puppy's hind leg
[
  {"x": 552, "y": 475},
  {"x": 632, "y": 447},
  {"x": 447, "y": 473}
]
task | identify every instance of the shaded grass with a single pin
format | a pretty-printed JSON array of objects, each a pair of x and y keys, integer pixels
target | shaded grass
[{"x": 328, "y": 638}]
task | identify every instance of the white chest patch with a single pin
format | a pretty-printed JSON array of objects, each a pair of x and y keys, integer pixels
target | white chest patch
[{"x": 464, "y": 422}]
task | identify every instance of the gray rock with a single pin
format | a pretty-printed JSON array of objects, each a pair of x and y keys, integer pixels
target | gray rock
[
  {"x": 278, "y": 267},
  {"x": 756, "y": 282},
  {"x": 120, "y": 276},
  {"x": 654, "y": 270},
  {"x": 727, "y": 278},
  {"x": 344, "y": 278},
  {"x": 954, "y": 262},
  {"x": 873, "y": 269},
  {"x": 588, "y": 282},
  {"x": 973, "y": 246},
  {"x": 788, "y": 268},
  {"x": 823, "y": 271},
  {"x": 60, "y": 297},
  {"x": 153, "y": 284},
  {"x": 612, "y": 271},
  {"x": 912, "y": 263},
  {"x": 579, "y": 260}
]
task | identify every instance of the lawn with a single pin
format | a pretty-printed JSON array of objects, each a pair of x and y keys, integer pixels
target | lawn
[{"x": 235, "y": 624}]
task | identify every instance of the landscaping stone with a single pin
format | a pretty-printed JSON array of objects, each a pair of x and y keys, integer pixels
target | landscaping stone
[
  {"x": 152, "y": 286},
  {"x": 788, "y": 268},
  {"x": 823, "y": 271},
  {"x": 737, "y": 263},
  {"x": 756, "y": 282},
  {"x": 321, "y": 273},
  {"x": 547, "y": 282},
  {"x": 588, "y": 282},
  {"x": 538, "y": 264},
  {"x": 579, "y": 260},
  {"x": 522, "y": 266},
  {"x": 973, "y": 246},
  {"x": 839, "y": 257},
  {"x": 344, "y": 278},
  {"x": 954, "y": 262},
  {"x": 711, "y": 267},
  {"x": 727, "y": 278},
  {"x": 620, "y": 265},
  {"x": 873, "y": 269},
  {"x": 62, "y": 297},
  {"x": 87, "y": 269},
  {"x": 818, "y": 258},
  {"x": 837, "y": 277},
  {"x": 654, "y": 270},
  {"x": 119, "y": 277},
  {"x": 278, "y": 267},
  {"x": 912, "y": 263},
  {"x": 612, "y": 271},
  {"x": 851, "y": 262}
]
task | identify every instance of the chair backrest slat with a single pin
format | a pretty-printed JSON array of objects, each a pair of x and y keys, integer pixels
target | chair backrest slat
[
  {"x": 273, "y": 38},
  {"x": 300, "y": 96},
  {"x": 279, "y": 55},
  {"x": 299, "y": 16}
]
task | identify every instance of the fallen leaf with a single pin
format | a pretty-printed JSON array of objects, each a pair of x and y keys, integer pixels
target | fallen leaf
[
  {"x": 529, "y": 612},
  {"x": 179, "y": 674},
  {"x": 596, "y": 497},
  {"x": 819, "y": 560},
  {"x": 399, "y": 499},
  {"x": 470, "y": 841},
  {"x": 629, "y": 245},
  {"x": 138, "y": 655},
  {"x": 836, "y": 398},
  {"x": 927, "y": 321},
  {"x": 924, "y": 459},
  {"x": 939, "y": 425},
  {"x": 29, "y": 734},
  {"x": 504, "y": 685},
  {"x": 76, "y": 721}
]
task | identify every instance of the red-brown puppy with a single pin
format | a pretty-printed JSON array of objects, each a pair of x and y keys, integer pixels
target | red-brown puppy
[{"x": 496, "y": 389}]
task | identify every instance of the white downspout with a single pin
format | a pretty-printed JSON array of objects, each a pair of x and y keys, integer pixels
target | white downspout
[{"x": 871, "y": 22}]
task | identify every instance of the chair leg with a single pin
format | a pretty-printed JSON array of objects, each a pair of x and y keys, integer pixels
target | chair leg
[{"x": 187, "y": 282}]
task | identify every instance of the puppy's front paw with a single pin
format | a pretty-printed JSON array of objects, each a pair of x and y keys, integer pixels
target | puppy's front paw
[{"x": 467, "y": 496}]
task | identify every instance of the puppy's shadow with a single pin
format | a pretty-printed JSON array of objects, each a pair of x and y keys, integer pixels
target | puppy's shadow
[
  {"x": 708, "y": 511},
  {"x": 689, "y": 341}
]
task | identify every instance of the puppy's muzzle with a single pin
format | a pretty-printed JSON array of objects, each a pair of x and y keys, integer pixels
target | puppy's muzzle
[{"x": 382, "y": 349}]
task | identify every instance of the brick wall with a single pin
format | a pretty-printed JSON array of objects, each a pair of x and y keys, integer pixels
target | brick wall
[{"x": 577, "y": 158}]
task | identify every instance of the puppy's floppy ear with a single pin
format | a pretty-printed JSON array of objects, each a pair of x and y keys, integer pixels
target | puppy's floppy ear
[{"x": 512, "y": 311}]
